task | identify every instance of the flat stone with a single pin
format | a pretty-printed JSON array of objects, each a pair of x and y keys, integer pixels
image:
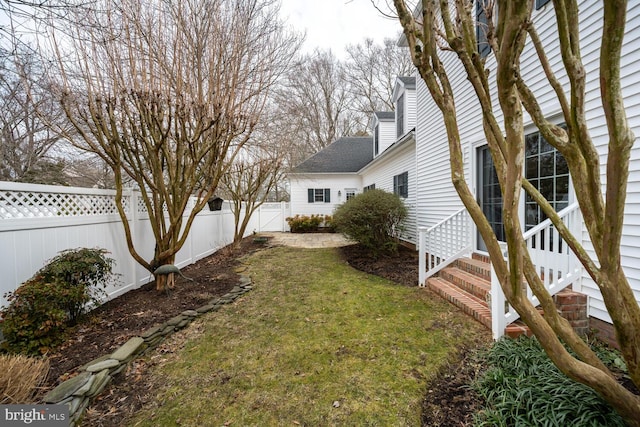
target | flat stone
[
  {"x": 151, "y": 331},
  {"x": 67, "y": 388},
  {"x": 73, "y": 418},
  {"x": 85, "y": 388},
  {"x": 182, "y": 324},
  {"x": 102, "y": 378},
  {"x": 154, "y": 342},
  {"x": 205, "y": 308},
  {"x": 245, "y": 280},
  {"x": 190, "y": 313},
  {"x": 94, "y": 361},
  {"x": 76, "y": 403},
  {"x": 105, "y": 364},
  {"x": 236, "y": 290},
  {"x": 128, "y": 349},
  {"x": 168, "y": 329},
  {"x": 175, "y": 320}
]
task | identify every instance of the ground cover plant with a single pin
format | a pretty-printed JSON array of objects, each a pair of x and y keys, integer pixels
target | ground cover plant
[
  {"x": 523, "y": 387},
  {"x": 315, "y": 343}
]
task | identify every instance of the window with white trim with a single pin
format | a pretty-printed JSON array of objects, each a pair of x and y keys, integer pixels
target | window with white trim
[
  {"x": 547, "y": 170},
  {"x": 376, "y": 140},
  {"x": 369, "y": 187},
  {"x": 400, "y": 116},
  {"x": 319, "y": 195},
  {"x": 401, "y": 184}
]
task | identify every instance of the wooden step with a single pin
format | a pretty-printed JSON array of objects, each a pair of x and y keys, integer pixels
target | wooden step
[
  {"x": 476, "y": 267},
  {"x": 468, "y": 282},
  {"x": 470, "y": 304}
]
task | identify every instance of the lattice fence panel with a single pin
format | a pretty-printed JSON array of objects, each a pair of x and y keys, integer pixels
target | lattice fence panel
[{"x": 29, "y": 204}]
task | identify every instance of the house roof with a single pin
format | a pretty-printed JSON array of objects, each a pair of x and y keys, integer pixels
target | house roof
[
  {"x": 345, "y": 155},
  {"x": 385, "y": 115},
  {"x": 409, "y": 82}
]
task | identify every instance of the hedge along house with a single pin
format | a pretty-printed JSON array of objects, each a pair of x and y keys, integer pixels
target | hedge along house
[
  {"x": 352, "y": 165},
  {"x": 457, "y": 266}
]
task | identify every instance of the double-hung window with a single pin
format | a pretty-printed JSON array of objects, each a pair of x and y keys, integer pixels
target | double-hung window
[
  {"x": 401, "y": 184},
  {"x": 376, "y": 140},
  {"x": 400, "y": 116},
  {"x": 319, "y": 195}
]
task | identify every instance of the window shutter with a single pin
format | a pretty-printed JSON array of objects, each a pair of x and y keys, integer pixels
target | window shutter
[
  {"x": 310, "y": 195},
  {"x": 327, "y": 195}
]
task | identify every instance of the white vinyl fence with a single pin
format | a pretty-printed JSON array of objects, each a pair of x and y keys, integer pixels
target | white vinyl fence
[{"x": 38, "y": 221}]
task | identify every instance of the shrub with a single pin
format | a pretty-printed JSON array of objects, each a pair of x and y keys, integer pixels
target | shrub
[
  {"x": 309, "y": 224},
  {"x": 41, "y": 308},
  {"x": 86, "y": 273},
  {"x": 523, "y": 387},
  {"x": 373, "y": 219},
  {"x": 20, "y": 377}
]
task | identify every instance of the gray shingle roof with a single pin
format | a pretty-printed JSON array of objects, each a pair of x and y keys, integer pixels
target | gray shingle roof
[
  {"x": 345, "y": 155},
  {"x": 385, "y": 115},
  {"x": 409, "y": 82}
]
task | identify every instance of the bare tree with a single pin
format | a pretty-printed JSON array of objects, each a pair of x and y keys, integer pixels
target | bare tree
[
  {"x": 167, "y": 94},
  {"x": 315, "y": 101},
  {"x": 371, "y": 70},
  {"x": 249, "y": 182},
  {"x": 444, "y": 25},
  {"x": 26, "y": 108}
]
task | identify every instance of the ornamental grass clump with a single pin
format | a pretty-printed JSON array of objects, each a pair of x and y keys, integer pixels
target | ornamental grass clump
[
  {"x": 21, "y": 376},
  {"x": 373, "y": 219},
  {"x": 55, "y": 297},
  {"x": 522, "y": 387}
]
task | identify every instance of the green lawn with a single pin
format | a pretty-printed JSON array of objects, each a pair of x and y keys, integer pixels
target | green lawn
[{"x": 314, "y": 343}]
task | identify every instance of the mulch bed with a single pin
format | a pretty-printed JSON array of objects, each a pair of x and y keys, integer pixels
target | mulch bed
[{"x": 448, "y": 400}]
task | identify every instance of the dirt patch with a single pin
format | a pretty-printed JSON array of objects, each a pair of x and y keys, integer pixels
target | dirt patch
[
  {"x": 448, "y": 399},
  {"x": 402, "y": 268},
  {"x": 111, "y": 325}
]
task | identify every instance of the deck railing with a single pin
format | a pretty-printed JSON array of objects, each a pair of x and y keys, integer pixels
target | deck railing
[
  {"x": 554, "y": 261},
  {"x": 443, "y": 243}
]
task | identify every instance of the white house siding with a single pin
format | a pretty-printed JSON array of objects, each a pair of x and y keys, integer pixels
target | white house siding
[
  {"x": 436, "y": 196},
  {"x": 387, "y": 135},
  {"x": 410, "y": 109},
  {"x": 336, "y": 182},
  {"x": 381, "y": 172}
]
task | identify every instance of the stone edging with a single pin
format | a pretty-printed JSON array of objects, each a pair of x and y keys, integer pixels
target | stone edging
[{"x": 79, "y": 391}]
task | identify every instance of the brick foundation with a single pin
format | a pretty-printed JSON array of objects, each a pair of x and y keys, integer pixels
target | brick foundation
[{"x": 603, "y": 331}]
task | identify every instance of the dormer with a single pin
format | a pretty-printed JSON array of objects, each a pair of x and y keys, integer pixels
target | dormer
[
  {"x": 384, "y": 131},
  {"x": 404, "y": 99}
]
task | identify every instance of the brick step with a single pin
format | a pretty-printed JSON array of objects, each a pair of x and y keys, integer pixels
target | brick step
[
  {"x": 468, "y": 303},
  {"x": 477, "y": 267},
  {"x": 468, "y": 282},
  {"x": 480, "y": 257}
]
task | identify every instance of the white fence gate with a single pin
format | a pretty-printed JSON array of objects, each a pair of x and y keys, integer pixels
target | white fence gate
[{"x": 38, "y": 221}]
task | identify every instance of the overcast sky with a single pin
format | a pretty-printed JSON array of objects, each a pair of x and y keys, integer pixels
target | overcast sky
[{"x": 334, "y": 24}]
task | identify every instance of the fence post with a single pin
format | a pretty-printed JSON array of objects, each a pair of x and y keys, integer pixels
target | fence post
[
  {"x": 422, "y": 256},
  {"x": 133, "y": 225}
]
